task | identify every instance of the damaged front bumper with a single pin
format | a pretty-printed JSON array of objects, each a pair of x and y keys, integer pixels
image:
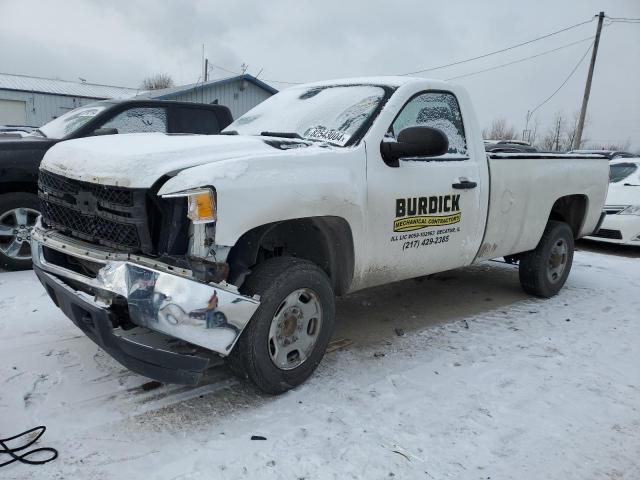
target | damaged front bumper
[{"x": 156, "y": 296}]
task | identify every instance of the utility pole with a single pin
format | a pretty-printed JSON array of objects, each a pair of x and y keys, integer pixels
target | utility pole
[
  {"x": 206, "y": 69},
  {"x": 526, "y": 133},
  {"x": 587, "y": 88}
]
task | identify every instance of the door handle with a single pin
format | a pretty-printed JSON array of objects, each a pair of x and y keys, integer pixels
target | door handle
[{"x": 464, "y": 185}]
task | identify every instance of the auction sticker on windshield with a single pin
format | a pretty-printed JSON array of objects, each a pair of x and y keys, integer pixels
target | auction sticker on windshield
[{"x": 327, "y": 135}]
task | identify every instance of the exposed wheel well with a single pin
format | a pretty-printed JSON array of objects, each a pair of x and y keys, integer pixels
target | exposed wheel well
[
  {"x": 13, "y": 187},
  {"x": 325, "y": 241},
  {"x": 572, "y": 210}
]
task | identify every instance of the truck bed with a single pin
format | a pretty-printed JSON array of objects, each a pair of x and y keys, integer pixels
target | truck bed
[{"x": 524, "y": 188}]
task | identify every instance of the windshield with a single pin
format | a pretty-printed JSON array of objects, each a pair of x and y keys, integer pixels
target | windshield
[
  {"x": 620, "y": 171},
  {"x": 331, "y": 114},
  {"x": 71, "y": 121}
]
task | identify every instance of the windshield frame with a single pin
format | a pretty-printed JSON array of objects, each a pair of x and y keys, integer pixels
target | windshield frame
[
  {"x": 107, "y": 106},
  {"x": 359, "y": 134}
]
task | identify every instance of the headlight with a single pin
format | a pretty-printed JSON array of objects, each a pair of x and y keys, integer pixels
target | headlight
[
  {"x": 201, "y": 204},
  {"x": 631, "y": 210}
]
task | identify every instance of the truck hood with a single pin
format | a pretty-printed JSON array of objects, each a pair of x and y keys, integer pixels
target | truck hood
[{"x": 139, "y": 160}]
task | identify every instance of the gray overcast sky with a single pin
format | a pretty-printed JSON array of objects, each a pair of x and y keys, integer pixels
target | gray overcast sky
[{"x": 121, "y": 42}]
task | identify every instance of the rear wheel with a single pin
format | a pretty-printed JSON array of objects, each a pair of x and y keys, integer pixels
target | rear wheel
[
  {"x": 544, "y": 271},
  {"x": 18, "y": 214},
  {"x": 289, "y": 332}
]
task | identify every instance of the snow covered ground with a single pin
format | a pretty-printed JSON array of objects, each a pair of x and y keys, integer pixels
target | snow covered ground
[{"x": 459, "y": 376}]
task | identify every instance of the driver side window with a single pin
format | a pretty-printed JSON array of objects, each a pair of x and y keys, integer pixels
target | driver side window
[
  {"x": 139, "y": 120},
  {"x": 437, "y": 110}
]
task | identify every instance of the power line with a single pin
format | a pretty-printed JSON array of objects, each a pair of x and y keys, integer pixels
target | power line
[
  {"x": 521, "y": 59},
  {"x": 265, "y": 79},
  {"x": 495, "y": 52},
  {"x": 622, "y": 19},
  {"x": 565, "y": 80},
  {"x": 282, "y": 81},
  {"x": 613, "y": 19},
  {"x": 439, "y": 66},
  {"x": 223, "y": 69}
]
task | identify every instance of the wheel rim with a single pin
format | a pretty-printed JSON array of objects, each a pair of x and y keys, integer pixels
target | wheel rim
[
  {"x": 295, "y": 329},
  {"x": 557, "y": 260},
  {"x": 15, "y": 232}
]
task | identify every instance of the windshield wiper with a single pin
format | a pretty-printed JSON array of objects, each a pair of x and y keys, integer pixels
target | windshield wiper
[
  {"x": 40, "y": 132},
  {"x": 281, "y": 135},
  {"x": 229, "y": 132}
]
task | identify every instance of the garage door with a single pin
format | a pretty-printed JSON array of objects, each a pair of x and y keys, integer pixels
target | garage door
[{"x": 13, "y": 112}]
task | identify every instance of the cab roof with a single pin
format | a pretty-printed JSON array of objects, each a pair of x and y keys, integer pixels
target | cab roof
[{"x": 387, "y": 81}]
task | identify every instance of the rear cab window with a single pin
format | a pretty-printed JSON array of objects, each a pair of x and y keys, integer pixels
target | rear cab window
[
  {"x": 195, "y": 120},
  {"x": 436, "y": 110}
]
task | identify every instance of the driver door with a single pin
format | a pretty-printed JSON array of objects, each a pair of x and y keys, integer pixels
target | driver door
[{"x": 425, "y": 214}]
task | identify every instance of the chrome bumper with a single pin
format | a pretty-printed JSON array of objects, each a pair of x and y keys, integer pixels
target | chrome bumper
[{"x": 208, "y": 315}]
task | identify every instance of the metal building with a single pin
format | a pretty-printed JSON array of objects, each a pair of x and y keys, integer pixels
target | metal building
[
  {"x": 240, "y": 93},
  {"x": 34, "y": 101}
]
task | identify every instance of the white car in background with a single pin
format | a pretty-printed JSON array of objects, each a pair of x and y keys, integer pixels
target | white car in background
[{"x": 622, "y": 223}]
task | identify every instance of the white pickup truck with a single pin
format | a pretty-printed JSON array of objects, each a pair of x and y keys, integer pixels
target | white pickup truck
[{"x": 235, "y": 245}]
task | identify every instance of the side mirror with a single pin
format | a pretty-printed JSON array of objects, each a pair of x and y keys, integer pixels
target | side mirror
[
  {"x": 414, "y": 142},
  {"x": 104, "y": 131}
]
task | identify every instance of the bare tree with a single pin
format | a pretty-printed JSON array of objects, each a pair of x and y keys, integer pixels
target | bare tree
[
  {"x": 548, "y": 140},
  {"x": 499, "y": 130},
  {"x": 561, "y": 135},
  {"x": 532, "y": 132},
  {"x": 571, "y": 131},
  {"x": 623, "y": 147},
  {"x": 157, "y": 82},
  {"x": 553, "y": 137}
]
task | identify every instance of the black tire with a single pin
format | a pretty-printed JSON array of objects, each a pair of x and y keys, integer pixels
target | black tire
[
  {"x": 9, "y": 202},
  {"x": 539, "y": 273},
  {"x": 274, "y": 280}
]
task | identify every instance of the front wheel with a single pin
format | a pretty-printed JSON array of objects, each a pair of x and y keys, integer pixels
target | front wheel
[
  {"x": 289, "y": 332},
  {"x": 18, "y": 215},
  {"x": 544, "y": 271}
]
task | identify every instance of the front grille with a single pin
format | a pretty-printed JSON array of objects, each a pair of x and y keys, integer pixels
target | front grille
[
  {"x": 113, "y": 195},
  {"x": 607, "y": 233},
  {"x": 89, "y": 227},
  {"x": 105, "y": 215}
]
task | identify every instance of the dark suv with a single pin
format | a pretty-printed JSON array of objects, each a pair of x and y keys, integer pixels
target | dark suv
[{"x": 20, "y": 157}]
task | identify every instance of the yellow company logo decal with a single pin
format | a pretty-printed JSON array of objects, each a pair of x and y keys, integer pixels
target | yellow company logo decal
[{"x": 408, "y": 224}]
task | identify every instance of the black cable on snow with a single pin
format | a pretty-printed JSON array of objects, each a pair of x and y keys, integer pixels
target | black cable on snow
[{"x": 16, "y": 452}]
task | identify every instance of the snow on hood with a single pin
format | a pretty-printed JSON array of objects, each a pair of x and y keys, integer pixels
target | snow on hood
[{"x": 138, "y": 160}]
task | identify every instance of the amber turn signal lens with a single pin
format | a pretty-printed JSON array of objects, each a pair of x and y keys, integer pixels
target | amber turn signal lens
[{"x": 201, "y": 207}]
